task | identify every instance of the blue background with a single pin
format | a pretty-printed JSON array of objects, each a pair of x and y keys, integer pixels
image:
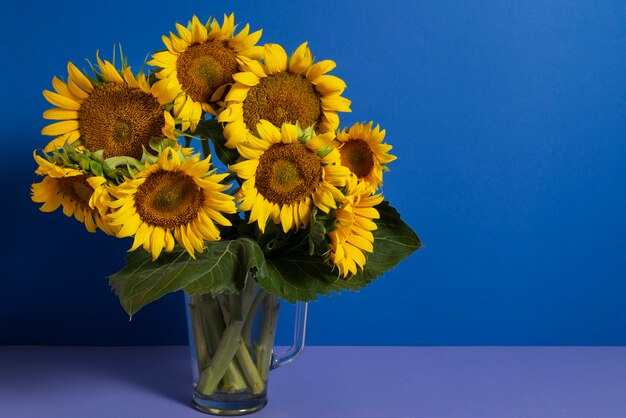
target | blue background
[{"x": 509, "y": 121}]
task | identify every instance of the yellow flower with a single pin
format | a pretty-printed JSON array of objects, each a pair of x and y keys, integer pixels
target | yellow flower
[
  {"x": 74, "y": 190},
  {"x": 363, "y": 152},
  {"x": 119, "y": 115},
  {"x": 199, "y": 63},
  {"x": 352, "y": 237},
  {"x": 285, "y": 178},
  {"x": 280, "y": 90},
  {"x": 172, "y": 200}
]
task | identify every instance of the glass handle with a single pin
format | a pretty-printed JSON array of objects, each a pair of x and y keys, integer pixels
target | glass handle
[{"x": 299, "y": 335}]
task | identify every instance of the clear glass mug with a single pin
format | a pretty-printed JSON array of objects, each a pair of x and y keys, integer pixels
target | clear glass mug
[{"x": 231, "y": 339}]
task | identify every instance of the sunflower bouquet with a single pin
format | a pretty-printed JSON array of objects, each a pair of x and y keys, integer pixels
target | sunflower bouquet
[{"x": 290, "y": 207}]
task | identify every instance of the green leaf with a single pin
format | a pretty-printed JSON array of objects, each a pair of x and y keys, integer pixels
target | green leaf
[
  {"x": 221, "y": 268},
  {"x": 296, "y": 275},
  {"x": 394, "y": 240}
]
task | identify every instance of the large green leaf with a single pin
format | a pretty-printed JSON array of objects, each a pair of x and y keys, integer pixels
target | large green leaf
[
  {"x": 221, "y": 268},
  {"x": 394, "y": 240},
  {"x": 296, "y": 275}
]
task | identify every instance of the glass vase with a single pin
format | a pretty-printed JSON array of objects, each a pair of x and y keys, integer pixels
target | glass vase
[{"x": 231, "y": 339}]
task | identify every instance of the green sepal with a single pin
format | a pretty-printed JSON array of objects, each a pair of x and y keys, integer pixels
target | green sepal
[
  {"x": 96, "y": 168},
  {"x": 323, "y": 152},
  {"x": 221, "y": 268},
  {"x": 84, "y": 164},
  {"x": 98, "y": 156},
  {"x": 159, "y": 144},
  {"x": 117, "y": 168},
  {"x": 304, "y": 134},
  {"x": 321, "y": 224},
  {"x": 148, "y": 158}
]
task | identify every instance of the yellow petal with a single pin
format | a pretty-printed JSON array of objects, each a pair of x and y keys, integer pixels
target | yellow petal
[
  {"x": 268, "y": 132},
  {"x": 61, "y": 101},
  {"x": 140, "y": 236},
  {"x": 184, "y": 33},
  {"x": 130, "y": 227},
  {"x": 329, "y": 84},
  {"x": 275, "y": 59},
  {"x": 169, "y": 241},
  {"x": 76, "y": 91},
  {"x": 245, "y": 169},
  {"x": 252, "y": 65},
  {"x": 198, "y": 31},
  {"x": 79, "y": 78},
  {"x": 61, "y": 87},
  {"x": 336, "y": 103},
  {"x": 361, "y": 243},
  {"x": 285, "y": 217},
  {"x": 289, "y": 133},
  {"x": 301, "y": 59},
  {"x": 60, "y": 128},
  {"x": 60, "y": 114},
  {"x": 247, "y": 78},
  {"x": 157, "y": 242},
  {"x": 320, "y": 68}
]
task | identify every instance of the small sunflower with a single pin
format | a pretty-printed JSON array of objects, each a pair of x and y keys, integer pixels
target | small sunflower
[
  {"x": 199, "y": 64},
  {"x": 285, "y": 176},
  {"x": 280, "y": 90},
  {"x": 352, "y": 237},
  {"x": 363, "y": 152},
  {"x": 172, "y": 200},
  {"x": 74, "y": 190},
  {"x": 119, "y": 113}
]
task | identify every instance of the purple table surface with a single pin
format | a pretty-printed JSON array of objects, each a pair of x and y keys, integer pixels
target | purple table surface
[{"x": 363, "y": 382}]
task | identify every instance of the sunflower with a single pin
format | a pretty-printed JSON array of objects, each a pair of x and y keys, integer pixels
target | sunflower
[
  {"x": 172, "y": 200},
  {"x": 363, "y": 152},
  {"x": 199, "y": 63},
  {"x": 119, "y": 113},
  {"x": 280, "y": 90},
  {"x": 74, "y": 190},
  {"x": 285, "y": 176},
  {"x": 352, "y": 236}
]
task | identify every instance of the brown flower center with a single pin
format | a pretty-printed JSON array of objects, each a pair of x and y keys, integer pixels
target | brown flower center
[
  {"x": 288, "y": 173},
  {"x": 120, "y": 120},
  {"x": 203, "y": 68},
  {"x": 282, "y": 97},
  {"x": 358, "y": 157},
  {"x": 77, "y": 189},
  {"x": 168, "y": 199}
]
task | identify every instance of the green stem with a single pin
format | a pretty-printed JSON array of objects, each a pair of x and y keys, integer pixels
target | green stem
[
  {"x": 229, "y": 344},
  {"x": 249, "y": 369},
  {"x": 214, "y": 329},
  {"x": 213, "y": 322},
  {"x": 234, "y": 309},
  {"x": 202, "y": 351},
  {"x": 247, "y": 328},
  {"x": 233, "y": 380},
  {"x": 268, "y": 332}
]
